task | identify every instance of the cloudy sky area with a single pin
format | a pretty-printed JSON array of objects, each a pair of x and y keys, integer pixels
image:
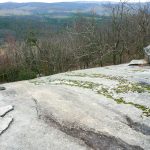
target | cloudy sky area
[{"x": 51, "y": 1}]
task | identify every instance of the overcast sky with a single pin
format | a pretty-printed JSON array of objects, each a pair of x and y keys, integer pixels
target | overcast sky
[{"x": 50, "y": 1}]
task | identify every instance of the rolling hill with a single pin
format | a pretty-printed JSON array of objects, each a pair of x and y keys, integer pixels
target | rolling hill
[{"x": 54, "y": 9}]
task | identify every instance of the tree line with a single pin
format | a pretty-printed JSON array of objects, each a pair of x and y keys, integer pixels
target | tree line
[{"x": 87, "y": 42}]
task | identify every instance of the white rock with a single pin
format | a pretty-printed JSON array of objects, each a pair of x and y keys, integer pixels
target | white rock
[{"x": 138, "y": 62}]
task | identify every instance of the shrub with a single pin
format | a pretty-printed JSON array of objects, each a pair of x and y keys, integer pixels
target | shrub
[{"x": 26, "y": 74}]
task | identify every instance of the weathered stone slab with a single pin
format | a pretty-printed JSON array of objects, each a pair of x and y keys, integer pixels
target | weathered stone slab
[
  {"x": 5, "y": 123},
  {"x": 4, "y": 110},
  {"x": 138, "y": 62}
]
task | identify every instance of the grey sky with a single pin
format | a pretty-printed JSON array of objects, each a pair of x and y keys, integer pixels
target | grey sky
[{"x": 50, "y": 1}]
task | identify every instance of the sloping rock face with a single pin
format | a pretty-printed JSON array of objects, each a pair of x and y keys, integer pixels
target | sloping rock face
[{"x": 102, "y": 109}]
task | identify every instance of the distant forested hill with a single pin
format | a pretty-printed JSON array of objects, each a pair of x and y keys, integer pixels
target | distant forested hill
[
  {"x": 62, "y": 9},
  {"x": 48, "y": 38},
  {"x": 17, "y": 19},
  {"x": 59, "y": 10}
]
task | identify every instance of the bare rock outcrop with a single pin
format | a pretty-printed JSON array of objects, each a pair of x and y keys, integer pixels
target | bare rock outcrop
[{"x": 104, "y": 108}]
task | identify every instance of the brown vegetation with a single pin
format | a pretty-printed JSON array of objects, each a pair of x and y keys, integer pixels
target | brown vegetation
[{"x": 87, "y": 43}]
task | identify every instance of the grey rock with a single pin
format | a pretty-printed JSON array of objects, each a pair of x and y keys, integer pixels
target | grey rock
[
  {"x": 147, "y": 53},
  {"x": 56, "y": 113},
  {"x": 2, "y": 88},
  {"x": 137, "y": 62},
  {"x": 147, "y": 50}
]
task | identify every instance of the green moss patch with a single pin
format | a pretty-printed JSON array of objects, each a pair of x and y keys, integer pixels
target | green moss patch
[
  {"x": 124, "y": 85},
  {"x": 100, "y": 89},
  {"x": 129, "y": 87}
]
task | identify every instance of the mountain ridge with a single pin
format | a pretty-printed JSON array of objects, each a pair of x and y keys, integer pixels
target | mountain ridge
[{"x": 40, "y": 8}]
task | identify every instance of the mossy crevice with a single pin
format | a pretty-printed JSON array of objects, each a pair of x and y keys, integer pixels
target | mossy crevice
[
  {"x": 116, "y": 78},
  {"x": 132, "y": 87},
  {"x": 124, "y": 85},
  {"x": 103, "y": 90}
]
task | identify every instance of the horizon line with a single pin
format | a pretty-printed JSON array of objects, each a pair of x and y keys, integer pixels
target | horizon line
[{"x": 116, "y": 1}]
